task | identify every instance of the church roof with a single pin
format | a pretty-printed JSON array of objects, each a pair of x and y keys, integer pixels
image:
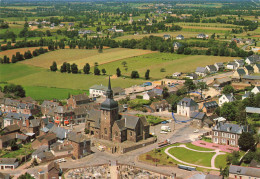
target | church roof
[{"x": 109, "y": 103}]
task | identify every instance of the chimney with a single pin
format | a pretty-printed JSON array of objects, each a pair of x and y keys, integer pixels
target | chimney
[{"x": 27, "y": 123}]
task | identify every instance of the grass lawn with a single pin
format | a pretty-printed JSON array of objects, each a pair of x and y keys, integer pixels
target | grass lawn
[
  {"x": 83, "y": 56},
  {"x": 155, "y": 61},
  {"x": 197, "y": 158},
  {"x": 220, "y": 161},
  {"x": 191, "y": 146},
  {"x": 26, "y": 149}
]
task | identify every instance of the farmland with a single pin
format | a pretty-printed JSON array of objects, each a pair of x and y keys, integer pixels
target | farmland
[
  {"x": 11, "y": 52},
  {"x": 82, "y": 56}
]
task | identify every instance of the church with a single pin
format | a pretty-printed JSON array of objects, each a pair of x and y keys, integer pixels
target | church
[{"x": 107, "y": 124}]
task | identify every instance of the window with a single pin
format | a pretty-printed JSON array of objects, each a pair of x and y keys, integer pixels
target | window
[
  {"x": 223, "y": 134},
  {"x": 215, "y": 133},
  {"x": 228, "y": 135},
  {"x": 105, "y": 130},
  {"x": 223, "y": 140},
  {"x": 131, "y": 133},
  {"x": 233, "y": 136},
  {"x": 216, "y": 140},
  {"x": 232, "y": 142},
  {"x": 116, "y": 133}
]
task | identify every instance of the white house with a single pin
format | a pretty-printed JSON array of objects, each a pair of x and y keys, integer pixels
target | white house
[
  {"x": 252, "y": 59},
  {"x": 202, "y": 36},
  {"x": 97, "y": 90},
  {"x": 232, "y": 66},
  {"x": 219, "y": 66},
  {"x": 226, "y": 98},
  {"x": 176, "y": 74},
  {"x": 201, "y": 71},
  {"x": 211, "y": 68},
  {"x": 186, "y": 107},
  {"x": 180, "y": 37},
  {"x": 8, "y": 163},
  {"x": 256, "y": 89},
  {"x": 239, "y": 63},
  {"x": 8, "y": 122}
]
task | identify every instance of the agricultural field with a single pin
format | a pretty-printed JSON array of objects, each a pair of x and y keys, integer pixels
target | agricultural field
[
  {"x": 156, "y": 61},
  {"x": 83, "y": 56},
  {"x": 10, "y": 53}
]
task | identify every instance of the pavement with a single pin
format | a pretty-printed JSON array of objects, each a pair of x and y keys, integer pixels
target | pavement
[{"x": 190, "y": 164}]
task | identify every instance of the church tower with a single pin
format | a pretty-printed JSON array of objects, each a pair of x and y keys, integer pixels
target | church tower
[{"x": 109, "y": 114}]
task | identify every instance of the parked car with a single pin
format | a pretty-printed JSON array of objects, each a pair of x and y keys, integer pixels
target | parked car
[
  {"x": 164, "y": 122},
  {"x": 164, "y": 132},
  {"x": 196, "y": 131}
]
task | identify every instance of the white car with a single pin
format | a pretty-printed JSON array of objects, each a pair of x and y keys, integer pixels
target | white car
[
  {"x": 196, "y": 131},
  {"x": 164, "y": 132}
]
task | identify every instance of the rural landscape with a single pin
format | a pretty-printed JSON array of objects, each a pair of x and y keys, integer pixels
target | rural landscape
[{"x": 129, "y": 89}]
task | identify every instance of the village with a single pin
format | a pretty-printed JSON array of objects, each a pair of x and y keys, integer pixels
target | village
[{"x": 123, "y": 124}]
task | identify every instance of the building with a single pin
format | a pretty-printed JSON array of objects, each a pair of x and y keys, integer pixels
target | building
[
  {"x": 53, "y": 171},
  {"x": 219, "y": 66},
  {"x": 226, "y": 98},
  {"x": 176, "y": 45},
  {"x": 221, "y": 82},
  {"x": 232, "y": 66},
  {"x": 180, "y": 37},
  {"x": 186, "y": 106},
  {"x": 246, "y": 95},
  {"x": 97, "y": 90},
  {"x": 46, "y": 140},
  {"x": 63, "y": 115},
  {"x": 241, "y": 172},
  {"x": 256, "y": 90},
  {"x": 166, "y": 37},
  {"x": 209, "y": 107},
  {"x": 176, "y": 74},
  {"x": 201, "y": 71},
  {"x": 160, "y": 106},
  {"x": 8, "y": 163},
  {"x": 149, "y": 95},
  {"x": 239, "y": 73},
  {"x": 202, "y": 36},
  {"x": 256, "y": 68},
  {"x": 107, "y": 124},
  {"x": 253, "y": 59},
  {"x": 211, "y": 69},
  {"x": 226, "y": 133},
  {"x": 253, "y": 80},
  {"x": 240, "y": 63},
  {"x": 249, "y": 69},
  {"x": 197, "y": 119},
  {"x": 78, "y": 100}
]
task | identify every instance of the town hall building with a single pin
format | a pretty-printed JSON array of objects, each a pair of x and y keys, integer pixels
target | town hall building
[{"x": 108, "y": 124}]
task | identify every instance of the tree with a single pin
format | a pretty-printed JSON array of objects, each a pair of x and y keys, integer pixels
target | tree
[
  {"x": 118, "y": 72},
  {"x": 224, "y": 172},
  {"x": 201, "y": 86},
  {"x": 68, "y": 68},
  {"x": 189, "y": 85},
  {"x": 86, "y": 68},
  {"x": 228, "y": 111},
  {"x": 13, "y": 145},
  {"x": 165, "y": 93},
  {"x": 228, "y": 89},
  {"x": 54, "y": 66},
  {"x": 14, "y": 59},
  {"x": 134, "y": 74},
  {"x": 74, "y": 68},
  {"x": 26, "y": 176},
  {"x": 147, "y": 74},
  {"x": 246, "y": 141},
  {"x": 63, "y": 68},
  {"x": 124, "y": 63},
  {"x": 104, "y": 71},
  {"x": 96, "y": 71}
]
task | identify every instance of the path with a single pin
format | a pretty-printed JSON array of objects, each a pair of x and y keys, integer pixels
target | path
[{"x": 190, "y": 164}]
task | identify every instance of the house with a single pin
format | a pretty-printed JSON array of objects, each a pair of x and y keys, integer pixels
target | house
[
  {"x": 53, "y": 171},
  {"x": 71, "y": 24},
  {"x": 80, "y": 144},
  {"x": 107, "y": 124},
  {"x": 62, "y": 150},
  {"x": 47, "y": 107},
  {"x": 253, "y": 59},
  {"x": 246, "y": 95},
  {"x": 186, "y": 106},
  {"x": 157, "y": 91},
  {"x": 149, "y": 95},
  {"x": 192, "y": 76},
  {"x": 211, "y": 68},
  {"x": 39, "y": 152},
  {"x": 239, "y": 63},
  {"x": 256, "y": 68},
  {"x": 221, "y": 82},
  {"x": 11, "y": 129},
  {"x": 118, "y": 91},
  {"x": 160, "y": 106},
  {"x": 201, "y": 71},
  {"x": 8, "y": 163},
  {"x": 209, "y": 107},
  {"x": 197, "y": 119},
  {"x": 177, "y": 74},
  {"x": 202, "y": 36},
  {"x": 6, "y": 139},
  {"x": 97, "y": 90},
  {"x": 78, "y": 100},
  {"x": 219, "y": 66},
  {"x": 232, "y": 66},
  {"x": 256, "y": 90},
  {"x": 63, "y": 115},
  {"x": 119, "y": 30},
  {"x": 60, "y": 132},
  {"x": 226, "y": 98},
  {"x": 4, "y": 176},
  {"x": 176, "y": 45},
  {"x": 227, "y": 133},
  {"x": 166, "y": 37},
  {"x": 244, "y": 172},
  {"x": 46, "y": 140},
  {"x": 249, "y": 69},
  {"x": 239, "y": 73},
  {"x": 80, "y": 115},
  {"x": 253, "y": 80},
  {"x": 180, "y": 37}
]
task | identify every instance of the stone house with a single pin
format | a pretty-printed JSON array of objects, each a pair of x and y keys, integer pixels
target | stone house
[
  {"x": 97, "y": 90},
  {"x": 201, "y": 71},
  {"x": 219, "y": 66},
  {"x": 209, "y": 107},
  {"x": 80, "y": 115},
  {"x": 149, "y": 95},
  {"x": 63, "y": 115},
  {"x": 240, "y": 172},
  {"x": 78, "y": 100},
  {"x": 47, "y": 107},
  {"x": 160, "y": 106},
  {"x": 226, "y": 98},
  {"x": 256, "y": 68},
  {"x": 249, "y": 79},
  {"x": 8, "y": 163},
  {"x": 197, "y": 119},
  {"x": 107, "y": 124},
  {"x": 47, "y": 139},
  {"x": 186, "y": 106},
  {"x": 249, "y": 69},
  {"x": 221, "y": 82},
  {"x": 11, "y": 129},
  {"x": 226, "y": 133},
  {"x": 53, "y": 171}
]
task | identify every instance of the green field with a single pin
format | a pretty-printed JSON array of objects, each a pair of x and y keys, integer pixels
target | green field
[
  {"x": 197, "y": 158},
  {"x": 171, "y": 62},
  {"x": 83, "y": 56}
]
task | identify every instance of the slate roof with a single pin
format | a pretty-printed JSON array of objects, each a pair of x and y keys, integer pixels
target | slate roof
[
  {"x": 62, "y": 148},
  {"x": 222, "y": 80},
  {"x": 8, "y": 137},
  {"x": 121, "y": 124},
  {"x": 10, "y": 161},
  {"x": 99, "y": 87},
  {"x": 11, "y": 128},
  {"x": 48, "y": 137},
  {"x": 230, "y": 97},
  {"x": 212, "y": 67},
  {"x": 177, "y": 44},
  {"x": 249, "y": 68},
  {"x": 34, "y": 123},
  {"x": 249, "y": 77},
  {"x": 241, "y": 72},
  {"x": 200, "y": 70},
  {"x": 40, "y": 149},
  {"x": 80, "y": 97},
  {"x": 210, "y": 104},
  {"x": 180, "y": 36},
  {"x": 247, "y": 171},
  {"x": 189, "y": 102},
  {"x": 232, "y": 128},
  {"x": 78, "y": 138},
  {"x": 157, "y": 91},
  {"x": 130, "y": 121},
  {"x": 59, "y": 131},
  {"x": 17, "y": 116},
  {"x": 253, "y": 110},
  {"x": 197, "y": 115},
  {"x": 220, "y": 65},
  {"x": 80, "y": 111},
  {"x": 49, "y": 104}
]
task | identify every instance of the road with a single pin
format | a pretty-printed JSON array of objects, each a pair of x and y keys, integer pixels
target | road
[{"x": 210, "y": 79}]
